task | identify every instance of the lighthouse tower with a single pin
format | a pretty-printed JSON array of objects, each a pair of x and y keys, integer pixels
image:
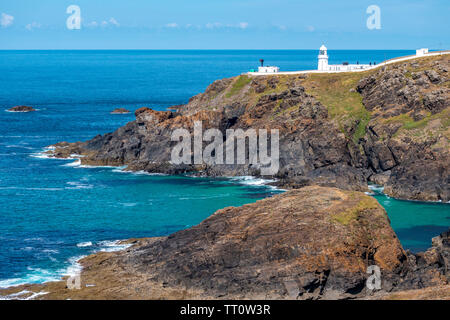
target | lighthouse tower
[{"x": 323, "y": 59}]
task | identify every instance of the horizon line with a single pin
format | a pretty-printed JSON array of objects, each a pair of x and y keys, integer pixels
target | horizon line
[{"x": 215, "y": 49}]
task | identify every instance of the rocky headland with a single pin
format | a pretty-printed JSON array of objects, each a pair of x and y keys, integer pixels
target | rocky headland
[
  {"x": 310, "y": 243},
  {"x": 389, "y": 126},
  {"x": 21, "y": 109},
  {"x": 338, "y": 132}
]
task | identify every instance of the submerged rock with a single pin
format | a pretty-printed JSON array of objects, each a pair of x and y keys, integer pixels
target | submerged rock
[
  {"x": 120, "y": 111},
  {"x": 21, "y": 109}
]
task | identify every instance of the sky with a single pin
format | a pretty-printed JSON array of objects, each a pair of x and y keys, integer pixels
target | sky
[{"x": 225, "y": 24}]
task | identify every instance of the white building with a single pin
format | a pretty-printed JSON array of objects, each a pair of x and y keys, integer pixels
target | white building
[
  {"x": 324, "y": 66},
  {"x": 323, "y": 59},
  {"x": 268, "y": 69},
  {"x": 421, "y": 52}
]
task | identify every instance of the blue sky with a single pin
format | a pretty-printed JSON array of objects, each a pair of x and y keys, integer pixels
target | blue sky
[{"x": 224, "y": 24}]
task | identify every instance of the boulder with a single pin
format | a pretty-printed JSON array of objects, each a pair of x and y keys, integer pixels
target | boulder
[{"x": 120, "y": 111}]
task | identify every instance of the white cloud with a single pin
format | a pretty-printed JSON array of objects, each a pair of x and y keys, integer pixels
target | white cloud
[
  {"x": 172, "y": 25},
  {"x": 6, "y": 20},
  {"x": 209, "y": 25},
  {"x": 213, "y": 25},
  {"x": 114, "y": 22},
  {"x": 243, "y": 25},
  {"x": 34, "y": 25},
  {"x": 104, "y": 23},
  {"x": 92, "y": 24},
  {"x": 310, "y": 28}
]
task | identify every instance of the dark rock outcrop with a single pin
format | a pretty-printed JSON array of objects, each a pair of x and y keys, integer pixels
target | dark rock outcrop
[{"x": 21, "y": 109}]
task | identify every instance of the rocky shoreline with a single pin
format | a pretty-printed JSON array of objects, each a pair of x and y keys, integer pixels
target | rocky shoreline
[
  {"x": 310, "y": 243},
  {"x": 338, "y": 132},
  {"x": 389, "y": 126}
]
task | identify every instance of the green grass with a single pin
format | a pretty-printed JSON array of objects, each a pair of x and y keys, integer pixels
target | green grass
[
  {"x": 353, "y": 214},
  {"x": 237, "y": 86},
  {"x": 336, "y": 92},
  {"x": 408, "y": 123}
]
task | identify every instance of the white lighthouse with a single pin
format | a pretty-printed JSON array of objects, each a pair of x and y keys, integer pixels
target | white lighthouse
[{"x": 323, "y": 59}]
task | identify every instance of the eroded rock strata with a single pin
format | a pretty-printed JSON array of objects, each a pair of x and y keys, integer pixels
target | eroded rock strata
[
  {"x": 310, "y": 243},
  {"x": 389, "y": 126}
]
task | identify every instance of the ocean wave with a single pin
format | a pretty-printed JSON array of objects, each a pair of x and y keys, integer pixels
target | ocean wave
[
  {"x": 224, "y": 195},
  {"x": 75, "y": 185},
  {"x": 32, "y": 189},
  {"x": 76, "y": 163},
  {"x": 19, "y": 146},
  {"x": 36, "y": 275},
  {"x": 74, "y": 267},
  {"x": 254, "y": 181},
  {"x": 84, "y": 244},
  {"x": 129, "y": 204},
  {"x": 43, "y": 154},
  {"x": 112, "y": 246},
  {"x": 145, "y": 173},
  {"x": 7, "y": 110},
  {"x": 376, "y": 188},
  {"x": 28, "y": 295}
]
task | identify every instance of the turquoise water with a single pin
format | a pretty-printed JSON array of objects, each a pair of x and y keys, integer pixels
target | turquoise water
[
  {"x": 54, "y": 211},
  {"x": 415, "y": 222}
]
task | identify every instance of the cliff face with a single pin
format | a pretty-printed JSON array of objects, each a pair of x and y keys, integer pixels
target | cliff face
[
  {"x": 409, "y": 130},
  {"x": 310, "y": 243},
  {"x": 389, "y": 125}
]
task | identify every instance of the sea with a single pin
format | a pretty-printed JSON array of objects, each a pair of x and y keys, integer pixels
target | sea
[{"x": 53, "y": 212}]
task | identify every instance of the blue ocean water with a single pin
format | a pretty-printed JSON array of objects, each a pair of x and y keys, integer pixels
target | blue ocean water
[{"x": 54, "y": 211}]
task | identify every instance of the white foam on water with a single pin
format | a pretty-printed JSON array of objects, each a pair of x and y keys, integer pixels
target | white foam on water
[
  {"x": 112, "y": 246},
  {"x": 145, "y": 173},
  {"x": 224, "y": 195},
  {"x": 18, "y": 295},
  {"x": 74, "y": 185},
  {"x": 32, "y": 189},
  {"x": 76, "y": 163},
  {"x": 120, "y": 169},
  {"x": 84, "y": 244},
  {"x": 376, "y": 188},
  {"x": 74, "y": 269},
  {"x": 129, "y": 204},
  {"x": 254, "y": 181},
  {"x": 19, "y": 146},
  {"x": 21, "y": 111},
  {"x": 36, "y": 275}
]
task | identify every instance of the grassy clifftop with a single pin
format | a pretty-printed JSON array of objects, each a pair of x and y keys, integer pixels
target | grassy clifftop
[{"x": 411, "y": 90}]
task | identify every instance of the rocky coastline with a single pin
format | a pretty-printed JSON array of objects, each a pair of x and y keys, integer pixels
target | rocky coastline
[
  {"x": 311, "y": 243},
  {"x": 338, "y": 132},
  {"x": 389, "y": 126}
]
